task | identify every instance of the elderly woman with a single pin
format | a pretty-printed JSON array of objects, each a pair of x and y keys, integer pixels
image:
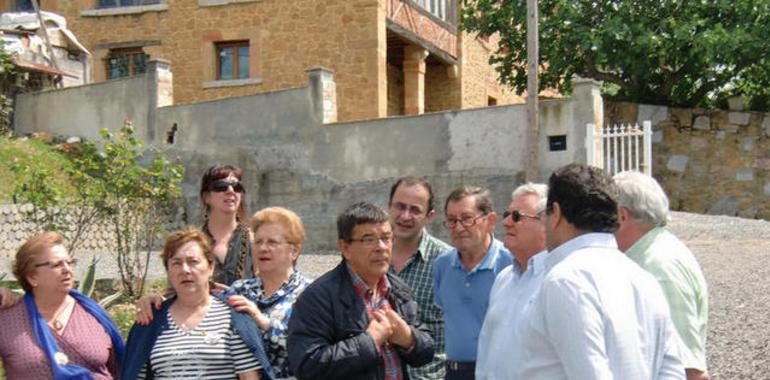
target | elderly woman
[
  {"x": 194, "y": 334},
  {"x": 57, "y": 332},
  {"x": 222, "y": 196},
  {"x": 278, "y": 240}
]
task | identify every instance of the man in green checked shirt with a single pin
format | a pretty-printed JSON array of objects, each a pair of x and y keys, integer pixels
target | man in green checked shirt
[{"x": 411, "y": 208}]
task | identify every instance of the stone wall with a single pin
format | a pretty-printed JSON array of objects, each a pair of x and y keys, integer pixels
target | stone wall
[
  {"x": 708, "y": 161},
  {"x": 479, "y": 78},
  {"x": 286, "y": 38}
]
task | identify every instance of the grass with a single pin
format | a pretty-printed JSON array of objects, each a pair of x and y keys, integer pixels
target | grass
[{"x": 27, "y": 151}]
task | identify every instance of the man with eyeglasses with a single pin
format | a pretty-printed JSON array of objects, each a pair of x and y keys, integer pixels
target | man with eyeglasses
[
  {"x": 499, "y": 354},
  {"x": 411, "y": 208},
  {"x": 358, "y": 321},
  {"x": 463, "y": 277},
  {"x": 597, "y": 315}
]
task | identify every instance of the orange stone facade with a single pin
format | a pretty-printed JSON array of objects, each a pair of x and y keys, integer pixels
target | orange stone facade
[{"x": 440, "y": 68}]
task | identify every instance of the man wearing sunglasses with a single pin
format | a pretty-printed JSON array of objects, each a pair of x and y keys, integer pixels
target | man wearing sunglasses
[
  {"x": 643, "y": 236},
  {"x": 462, "y": 277},
  {"x": 499, "y": 353}
]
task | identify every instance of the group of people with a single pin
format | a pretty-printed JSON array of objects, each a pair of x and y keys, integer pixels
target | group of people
[{"x": 587, "y": 283}]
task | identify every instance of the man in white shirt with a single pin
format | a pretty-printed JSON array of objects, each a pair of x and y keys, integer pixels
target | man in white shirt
[
  {"x": 597, "y": 314},
  {"x": 499, "y": 353}
]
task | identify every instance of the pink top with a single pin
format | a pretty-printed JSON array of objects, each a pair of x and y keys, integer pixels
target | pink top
[{"x": 84, "y": 341}]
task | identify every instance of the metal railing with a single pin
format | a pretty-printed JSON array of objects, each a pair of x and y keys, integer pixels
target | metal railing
[{"x": 617, "y": 148}]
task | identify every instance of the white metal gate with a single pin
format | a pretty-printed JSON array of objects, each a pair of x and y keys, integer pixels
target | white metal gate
[{"x": 618, "y": 147}]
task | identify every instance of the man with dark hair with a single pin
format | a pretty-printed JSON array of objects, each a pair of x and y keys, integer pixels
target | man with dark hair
[
  {"x": 463, "y": 277},
  {"x": 643, "y": 236},
  {"x": 410, "y": 206},
  {"x": 597, "y": 314},
  {"x": 357, "y": 321}
]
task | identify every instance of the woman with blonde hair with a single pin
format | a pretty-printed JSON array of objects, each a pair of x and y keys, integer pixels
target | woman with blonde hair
[{"x": 56, "y": 332}]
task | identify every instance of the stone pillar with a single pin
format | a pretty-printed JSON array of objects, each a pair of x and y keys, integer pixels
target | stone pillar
[
  {"x": 161, "y": 91},
  {"x": 323, "y": 89},
  {"x": 588, "y": 109},
  {"x": 414, "y": 80}
]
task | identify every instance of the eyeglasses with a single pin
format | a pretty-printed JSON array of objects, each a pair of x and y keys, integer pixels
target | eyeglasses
[
  {"x": 516, "y": 215},
  {"x": 220, "y": 186},
  {"x": 466, "y": 222},
  {"x": 58, "y": 265},
  {"x": 371, "y": 241},
  {"x": 269, "y": 243}
]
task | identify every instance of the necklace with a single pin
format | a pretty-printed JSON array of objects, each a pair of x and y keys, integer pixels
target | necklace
[{"x": 54, "y": 322}]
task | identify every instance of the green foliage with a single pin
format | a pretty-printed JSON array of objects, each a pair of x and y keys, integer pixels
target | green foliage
[
  {"x": 115, "y": 184},
  {"x": 134, "y": 198},
  {"x": 679, "y": 53},
  {"x": 124, "y": 316},
  {"x": 7, "y": 81}
]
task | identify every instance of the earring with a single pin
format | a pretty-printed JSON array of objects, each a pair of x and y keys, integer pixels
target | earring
[{"x": 33, "y": 285}]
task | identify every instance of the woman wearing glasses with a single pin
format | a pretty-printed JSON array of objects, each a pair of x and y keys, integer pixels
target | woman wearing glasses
[
  {"x": 269, "y": 297},
  {"x": 56, "y": 332},
  {"x": 224, "y": 221}
]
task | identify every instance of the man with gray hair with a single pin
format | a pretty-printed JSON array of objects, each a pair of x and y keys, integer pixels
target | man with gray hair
[
  {"x": 499, "y": 352},
  {"x": 642, "y": 235}
]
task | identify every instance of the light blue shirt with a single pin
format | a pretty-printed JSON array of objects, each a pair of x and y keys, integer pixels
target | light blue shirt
[
  {"x": 464, "y": 296},
  {"x": 598, "y": 316},
  {"x": 499, "y": 342}
]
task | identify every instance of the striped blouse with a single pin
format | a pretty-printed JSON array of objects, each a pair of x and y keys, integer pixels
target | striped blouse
[{"x": 210, "y": 351}]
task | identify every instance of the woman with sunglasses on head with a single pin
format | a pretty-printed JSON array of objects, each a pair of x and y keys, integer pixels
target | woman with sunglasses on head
[{"x": 56, "y": 332}]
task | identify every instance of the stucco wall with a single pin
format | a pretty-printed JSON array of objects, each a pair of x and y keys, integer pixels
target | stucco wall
[
  {"x": 84, "y": 110},
  {"x": 708, "y": 161},
  {"x": 292, "y": 159}
]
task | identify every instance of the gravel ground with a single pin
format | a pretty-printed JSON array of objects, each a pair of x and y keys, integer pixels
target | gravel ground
[{"x": 739, "y": 324}]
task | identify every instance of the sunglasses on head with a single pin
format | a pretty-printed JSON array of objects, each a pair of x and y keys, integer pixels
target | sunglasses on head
[
  {"x": 220, "y": 186},
  {"x": 516, "y": 216}
]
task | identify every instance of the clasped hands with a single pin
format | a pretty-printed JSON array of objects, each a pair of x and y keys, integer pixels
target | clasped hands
[{"x": 388, "y": 326}]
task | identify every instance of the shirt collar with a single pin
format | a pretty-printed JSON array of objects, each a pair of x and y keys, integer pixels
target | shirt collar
[
  {"x": 358, "y": 283},
  {"x": 640, "y": 246},
  {"x": 487, "y": 263},
  {"x": 535, "y": 263},
  {"x": 589, "y": 240},
  {"x": 422, "y": 249}
]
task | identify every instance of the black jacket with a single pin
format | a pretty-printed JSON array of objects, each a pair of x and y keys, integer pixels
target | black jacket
[{"x": 327, "y": 331}]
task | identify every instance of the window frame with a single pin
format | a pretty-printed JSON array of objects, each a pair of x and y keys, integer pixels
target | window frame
[
  {"x": 129, "y": 52},
  {"x": 235, "y": 44},
  {"x": 118, "y": 4}
]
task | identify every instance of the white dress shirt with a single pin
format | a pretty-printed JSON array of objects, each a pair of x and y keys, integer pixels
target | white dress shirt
[
  {"x": 598, "y": 315},
  {"x": 499, "y": 353}
]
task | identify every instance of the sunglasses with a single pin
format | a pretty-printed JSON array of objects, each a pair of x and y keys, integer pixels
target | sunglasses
[
  {"x": 517, "y": 216},
  {"x": 220, "y": 186}
]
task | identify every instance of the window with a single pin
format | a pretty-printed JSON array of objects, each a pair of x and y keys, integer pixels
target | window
[
  {"x": 124, "y": 3},
  {"x": 126, "y": 62},
  {"x": 232, "y": 60},
  {"x": 24, "y": 6}
]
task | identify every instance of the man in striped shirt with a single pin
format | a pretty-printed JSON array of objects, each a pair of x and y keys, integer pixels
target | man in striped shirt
[{"x": 411, "y": 208}]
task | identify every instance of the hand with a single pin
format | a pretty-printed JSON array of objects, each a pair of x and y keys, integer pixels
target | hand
[
  {"x": 695, "y": 374},
  {"x": 218, "y": 288},
  {"x": 379, "y": 328},
  {"x": 244, "y": 305},
  {"x": 144, "y": 308},
  {"x": 402, "y": 333},
  {"x": 8, "y": 298}
]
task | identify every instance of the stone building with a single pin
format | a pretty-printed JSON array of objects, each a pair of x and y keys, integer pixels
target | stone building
[{"x": 389, "y": 57}]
